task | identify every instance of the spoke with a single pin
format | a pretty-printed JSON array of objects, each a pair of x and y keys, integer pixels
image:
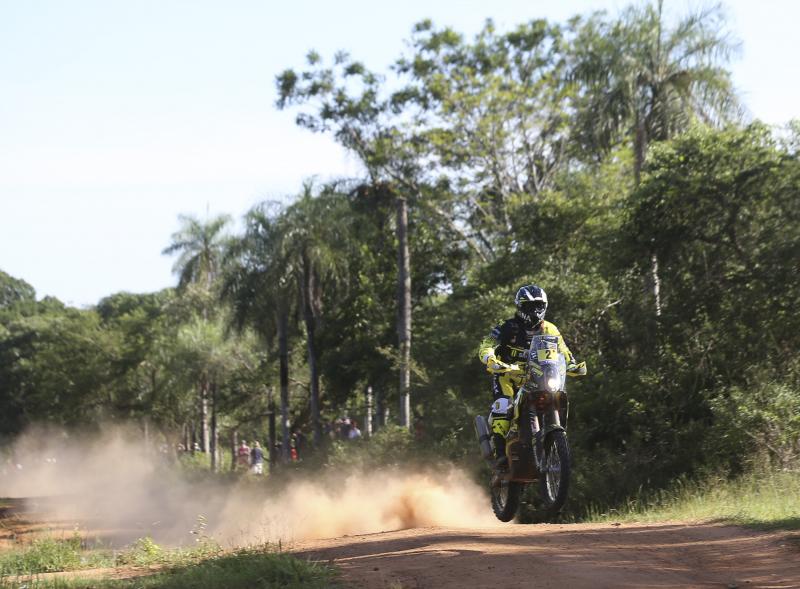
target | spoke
[{"x": 553, "y": 476}]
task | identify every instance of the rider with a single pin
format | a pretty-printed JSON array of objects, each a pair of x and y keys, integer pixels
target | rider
[{"x": 505, "y": 354}]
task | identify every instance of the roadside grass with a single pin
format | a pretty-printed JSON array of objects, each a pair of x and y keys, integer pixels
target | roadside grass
[
  {"x": 45, "y": 555},
  {"x": 49, "y": 555},
  {"x": 201, "y": 567},
  {"x": 250, "y": 568},
  {"x": 759, "y": 500}
]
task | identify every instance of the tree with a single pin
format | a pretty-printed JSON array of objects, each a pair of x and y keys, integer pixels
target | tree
[
  {"x": 200, "y": 248},
  {"x": 146, "y": 384},
  {"x": 313, "y": 247},
  {"x": 349, "y": 103},
  {"x": 55, "y": 366},
  {"x": 205, "y": 351},
  {"x": 642, "y": 81},
  {"x": 492, "y": 114},
  {"x": 742, "y": 186},
  {"x": 259, "y": 289},
  {"x": 14, "y": 291}
]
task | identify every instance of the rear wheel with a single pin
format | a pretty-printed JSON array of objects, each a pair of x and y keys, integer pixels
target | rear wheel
[
  {"x": 505, "y": 500},
  {"x": 554, "y": 480}
]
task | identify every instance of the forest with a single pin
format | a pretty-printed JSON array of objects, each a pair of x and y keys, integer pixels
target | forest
[{"x": 607, "y": 159}]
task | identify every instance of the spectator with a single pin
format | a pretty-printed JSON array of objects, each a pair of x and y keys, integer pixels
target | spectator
[
  {"x": 293, "y": 454},
  {"x": 344, "y": 429},
  {"x": 419, "y": 429},
  {"x": 300, "y": 443},
  {"x": 243, "y": 455},
  {"x": 256, "y": 459},
  {"x": 354, "y": 432}
]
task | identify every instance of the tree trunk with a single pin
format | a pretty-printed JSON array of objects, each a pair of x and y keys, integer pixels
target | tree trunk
[
  {"x": 234, "y": 448},
  {"x": 639, "y": 149},
  {"x": 309, "y": 291},
  {"x": 214, "y": 431},
  {"x": 204, "y": 415},
  {"x": 146, "y": 434},
  {"x": 640, "y": 144},
  {"x": 656, "y": 283},
  {"x": 368, "y": 416},
  {"x": 283, "y": 352},
  {"x": 186, "y": 437},
  {"x": 404, "y": 310},
  {"x": 271, "y": 433}
]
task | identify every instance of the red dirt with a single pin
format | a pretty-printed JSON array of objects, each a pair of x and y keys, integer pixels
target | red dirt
[{"x": 565, "y": 557}]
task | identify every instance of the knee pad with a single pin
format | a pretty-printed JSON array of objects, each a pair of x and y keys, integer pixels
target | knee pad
[
  {"x": 500, "y": 407},
  {"x": 500, "y": 426},
  {"x": 498, "y": 418}
]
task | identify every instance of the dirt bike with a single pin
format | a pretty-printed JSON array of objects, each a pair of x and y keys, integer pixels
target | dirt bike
[{"x": 536, "y": 444}]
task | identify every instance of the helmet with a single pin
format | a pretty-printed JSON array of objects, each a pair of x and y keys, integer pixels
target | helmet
[{"x": 531, "y": 302}]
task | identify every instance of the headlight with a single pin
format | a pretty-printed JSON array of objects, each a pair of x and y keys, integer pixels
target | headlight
[{"x": 553, "y": 382}]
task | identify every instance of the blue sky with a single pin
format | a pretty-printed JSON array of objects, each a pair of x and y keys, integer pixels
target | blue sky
[{"x": 116, "y": 116}]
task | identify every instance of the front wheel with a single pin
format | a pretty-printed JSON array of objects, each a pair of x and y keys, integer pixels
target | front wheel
[
  {"x": 505, "y": 500},
  {"x": 554, "y": 482}
]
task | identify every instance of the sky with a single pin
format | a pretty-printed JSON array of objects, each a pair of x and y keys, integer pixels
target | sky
[{"x": 117, "y": 116}]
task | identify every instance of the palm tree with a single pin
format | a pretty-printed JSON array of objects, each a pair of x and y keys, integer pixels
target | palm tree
[
  {"x": 208, "y": 355},
  {"x": 313, "y": 241},
  {"x": 642, "y": 81},
  {"x": 260, "y": 291},
  {"x": 351, "y": 103},
  {"x": 200, "y": 247}
]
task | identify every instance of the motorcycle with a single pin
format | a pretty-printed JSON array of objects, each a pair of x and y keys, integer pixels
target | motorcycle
[{"x": 536, "y": 444}]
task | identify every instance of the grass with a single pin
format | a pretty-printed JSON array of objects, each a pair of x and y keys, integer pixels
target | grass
[
  {"x": 765, "y": 501},
  {"x": 243, "y": 569},
  {"x": 46, "y": 555}
]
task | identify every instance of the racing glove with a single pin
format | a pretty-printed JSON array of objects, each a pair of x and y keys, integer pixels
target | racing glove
[
  {"x": 496, "y": 366},
  {"x": 576, "y": 369}
]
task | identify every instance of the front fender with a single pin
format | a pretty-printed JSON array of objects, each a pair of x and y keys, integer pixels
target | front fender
[{"x": 548, "y": 429}]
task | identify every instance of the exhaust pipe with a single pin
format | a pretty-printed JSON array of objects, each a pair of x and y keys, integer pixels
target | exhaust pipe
[{"x": 482, "y": 431}]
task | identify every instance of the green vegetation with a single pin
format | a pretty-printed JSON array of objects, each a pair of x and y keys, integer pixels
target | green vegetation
[
  {"x": 243, "y": 569},
  {"x": 764, "y": 501},
  {"x": 204, "y": 565},
  {"x": 605, "y": 159},
  {"x": 47, "y": 555},
  {"x": 50, "y": 554}
]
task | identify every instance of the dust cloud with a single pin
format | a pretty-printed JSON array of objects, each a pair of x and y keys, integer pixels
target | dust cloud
[
  {"x": 110, "y": 487},
  {"x": 359, "y": 503}
]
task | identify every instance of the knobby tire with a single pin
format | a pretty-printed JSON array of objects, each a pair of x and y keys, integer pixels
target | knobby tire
[
  {"x": 556, "y": 442},
  {"x": 505, "y": 508}
]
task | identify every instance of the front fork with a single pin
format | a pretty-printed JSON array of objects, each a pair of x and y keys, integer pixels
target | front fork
[{"x": 537, "y": 437}]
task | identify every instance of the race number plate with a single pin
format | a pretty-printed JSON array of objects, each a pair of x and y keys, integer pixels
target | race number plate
[{"x": 542, "y": 355}]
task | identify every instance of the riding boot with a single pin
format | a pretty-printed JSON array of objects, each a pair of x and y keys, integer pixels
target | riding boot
[{"x": 500, "y": 458}]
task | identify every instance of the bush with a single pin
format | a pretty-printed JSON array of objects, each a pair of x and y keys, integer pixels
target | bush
[
  {"x": 757, "y": 427},
  {"x": 47, "y": 555},
  {"x": 391, "y": 445}
]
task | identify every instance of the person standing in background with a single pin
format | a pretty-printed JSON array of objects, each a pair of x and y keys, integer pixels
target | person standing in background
[
  {"x": 243, "y": 456},
  {"x": 256, "y": 459}
]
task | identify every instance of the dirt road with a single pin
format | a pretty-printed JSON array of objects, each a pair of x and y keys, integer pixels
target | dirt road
[{"x": 565, "y": 557}]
